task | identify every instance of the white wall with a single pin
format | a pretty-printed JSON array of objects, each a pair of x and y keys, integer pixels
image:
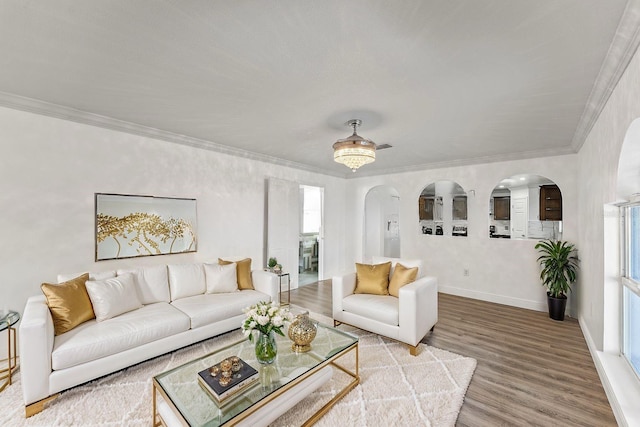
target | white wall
[
  {"x": 599, "y": 283},
  {"x": 51, "y": 168},
  {"x": 500, "y": 270}
]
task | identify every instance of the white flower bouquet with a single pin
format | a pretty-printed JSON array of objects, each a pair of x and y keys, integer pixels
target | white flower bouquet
[{"x": 265, "y": 317}]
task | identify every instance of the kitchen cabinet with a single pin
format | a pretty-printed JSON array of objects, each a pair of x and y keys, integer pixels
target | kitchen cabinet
[
  {"x": 550, "y": 203},
  {"x": 502, "y": 208},
  {"x": 459, "y": 208},
  {"x": 425, "y": 208}
]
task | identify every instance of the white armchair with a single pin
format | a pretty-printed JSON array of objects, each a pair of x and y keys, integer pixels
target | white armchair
[{"x": 406, "y": 318}]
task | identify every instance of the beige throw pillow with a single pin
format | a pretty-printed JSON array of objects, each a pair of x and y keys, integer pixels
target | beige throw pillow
[
  {"x": 401, "y": 276},
  {"x": 68, "y": 303},
  {"x": 243, "y": 272},
  {"x": 372, "y": 279}
]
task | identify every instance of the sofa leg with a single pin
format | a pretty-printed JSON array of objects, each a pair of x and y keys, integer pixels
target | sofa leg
[
  {"x": 413, "y": 349},
  {"x": 38, "y": 406},
  {"x": 432, "y": 328},
  {"x": 336, "y": 323}
]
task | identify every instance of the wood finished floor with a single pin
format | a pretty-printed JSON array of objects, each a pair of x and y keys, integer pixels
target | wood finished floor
[{"x": 532, "y": 371}]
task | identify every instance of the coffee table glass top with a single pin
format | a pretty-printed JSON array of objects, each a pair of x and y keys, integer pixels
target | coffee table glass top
[{"x": 198, "y": 408}]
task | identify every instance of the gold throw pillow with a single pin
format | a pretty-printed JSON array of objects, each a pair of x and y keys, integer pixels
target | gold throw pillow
[
  {"x": 372, "y": 279},
  {"x": 243, "y": 272},
  {"x": 401, "y": 276},
  {"x": 68, "y": 303}
]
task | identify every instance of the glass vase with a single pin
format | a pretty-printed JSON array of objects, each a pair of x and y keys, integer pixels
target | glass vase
[{"x": 266, "y": 348}]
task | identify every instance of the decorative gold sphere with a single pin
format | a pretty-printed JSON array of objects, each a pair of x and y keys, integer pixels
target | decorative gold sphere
[{"x": 302, "y": 331}]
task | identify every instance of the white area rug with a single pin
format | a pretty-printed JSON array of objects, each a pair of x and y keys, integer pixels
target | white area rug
[{"x": 395, "y": 389}]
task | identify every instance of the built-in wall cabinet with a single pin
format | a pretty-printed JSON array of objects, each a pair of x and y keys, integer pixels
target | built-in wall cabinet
[{"x": 550, "y": 203}]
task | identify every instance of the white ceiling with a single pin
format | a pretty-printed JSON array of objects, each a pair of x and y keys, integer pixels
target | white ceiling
[{"x": 444, "y": 82}]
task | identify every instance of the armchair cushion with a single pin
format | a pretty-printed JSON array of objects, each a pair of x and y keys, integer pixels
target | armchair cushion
[
  {"x": 372, "y": 279},
  {"x": 401, "y": 276},
  {"x": 379, "y": 307}
]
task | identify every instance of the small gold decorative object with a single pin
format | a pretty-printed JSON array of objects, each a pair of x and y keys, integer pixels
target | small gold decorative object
[
  {"x": 226, "y": 374},
  {"x": 214, "y": 371},
  {"x": 302, "y": 331}
]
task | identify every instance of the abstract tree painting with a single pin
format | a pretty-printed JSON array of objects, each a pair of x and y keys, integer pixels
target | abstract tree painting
[{"x": 132, "y": 226}]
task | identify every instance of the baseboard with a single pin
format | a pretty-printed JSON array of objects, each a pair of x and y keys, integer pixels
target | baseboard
[
  {"x": 597, "y": 355},
  {"x": 498, "y": 299}
]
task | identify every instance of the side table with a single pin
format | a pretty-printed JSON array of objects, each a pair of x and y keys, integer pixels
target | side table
[
  {"x": 280, "y": 276},
  {"x": 7, "y": 321}
]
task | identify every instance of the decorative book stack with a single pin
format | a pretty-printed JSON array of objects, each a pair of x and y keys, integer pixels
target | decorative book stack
[{"x": 227, "y": 378}]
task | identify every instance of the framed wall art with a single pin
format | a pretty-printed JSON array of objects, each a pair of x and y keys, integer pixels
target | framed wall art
[{"x": 132, "y": 226}]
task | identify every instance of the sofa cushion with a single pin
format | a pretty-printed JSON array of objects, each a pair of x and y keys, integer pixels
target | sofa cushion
[
  {"x": 68, "y": 303},
  {"x": 112, "y": 297},
  {"x": 372, "y": 278},
  {"x": 243, "y": 272},
  {"x": 93, "y": 340},
  {"x": 221, "y": 278},
  {"x": 382, "y": 308},
  {"x": 186, "y": 280},
  {"x": 401, "y": 276},
  {"x": 152, "y": 283},
  {"x": 209, "y": 308}
]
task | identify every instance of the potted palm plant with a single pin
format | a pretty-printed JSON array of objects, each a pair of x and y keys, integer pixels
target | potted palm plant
[{"x": 559, "y": 271}]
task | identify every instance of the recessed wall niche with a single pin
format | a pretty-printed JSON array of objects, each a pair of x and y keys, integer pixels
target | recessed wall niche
[
  {"x": 442, "y": 209},
  {"x": 525, "y": 206}
]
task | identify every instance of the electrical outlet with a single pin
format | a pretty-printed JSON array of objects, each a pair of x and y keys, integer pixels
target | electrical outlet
[{"x": 466, "y": 272}]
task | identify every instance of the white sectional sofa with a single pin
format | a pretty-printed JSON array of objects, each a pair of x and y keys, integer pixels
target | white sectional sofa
[{"x": 177, "y": 307}]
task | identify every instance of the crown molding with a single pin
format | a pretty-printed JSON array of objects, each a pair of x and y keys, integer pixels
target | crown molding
[
  {"x": 468, "y": 162},
  {"x": 61, "y": 112},
  {"x": 624, "y": 45}
]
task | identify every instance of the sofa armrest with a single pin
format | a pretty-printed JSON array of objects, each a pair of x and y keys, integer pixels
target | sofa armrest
[
  {"x": 36, "y": 344},
  {"x": 418, "y": 309},
  {"x": 341, "y": 287},
  {"x": 267, "y": 283}
]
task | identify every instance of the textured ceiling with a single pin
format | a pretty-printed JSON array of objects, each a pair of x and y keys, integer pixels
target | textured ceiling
[{"x": 444, "y": 82}]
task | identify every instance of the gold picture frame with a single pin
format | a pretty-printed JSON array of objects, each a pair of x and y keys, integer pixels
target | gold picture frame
[{"x": 128, "y": 226}]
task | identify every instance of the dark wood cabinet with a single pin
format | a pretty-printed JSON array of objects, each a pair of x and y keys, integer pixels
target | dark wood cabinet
[
  {"x": 502, "y": 208},
  {"x": 425, "y": 208},
  {"x": 550, "y": 203}
]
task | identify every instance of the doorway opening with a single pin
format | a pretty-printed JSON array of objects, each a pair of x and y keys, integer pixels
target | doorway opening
[
  {"x": 310, "y": 241},
  {"x": 382, "y": 223}
]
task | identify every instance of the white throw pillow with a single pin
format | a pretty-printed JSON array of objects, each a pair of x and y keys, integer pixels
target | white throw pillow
[
  {"x": 152, "y": 283},
  {"x": 221, "y": 278},
  {"x": 186, "y": 280},
  {"x": 111, "y": 297}
]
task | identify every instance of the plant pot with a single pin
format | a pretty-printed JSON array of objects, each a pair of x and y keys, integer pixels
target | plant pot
[{"x": 557, "y": 306}]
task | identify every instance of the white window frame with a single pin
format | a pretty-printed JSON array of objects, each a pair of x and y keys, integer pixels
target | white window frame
[{"x": 626, "y": 281}]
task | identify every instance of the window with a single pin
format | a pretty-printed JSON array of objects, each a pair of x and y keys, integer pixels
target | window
[{"x": 631, "y": 289}]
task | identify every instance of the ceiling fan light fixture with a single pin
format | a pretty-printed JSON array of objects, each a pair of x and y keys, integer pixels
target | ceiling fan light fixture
[{"x": 354, "y": 151}]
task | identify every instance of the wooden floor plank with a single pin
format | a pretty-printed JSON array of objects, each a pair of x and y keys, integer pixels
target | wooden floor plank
[{"x": 532, "y": 371}]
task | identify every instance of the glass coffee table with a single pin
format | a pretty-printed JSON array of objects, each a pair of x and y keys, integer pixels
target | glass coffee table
[{"x": 191, "y": 405}]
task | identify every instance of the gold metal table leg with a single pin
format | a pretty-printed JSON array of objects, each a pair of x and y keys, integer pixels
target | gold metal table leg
[{"x": 12, "y": 359}]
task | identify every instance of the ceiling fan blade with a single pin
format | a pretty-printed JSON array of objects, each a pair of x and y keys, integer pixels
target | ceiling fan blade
[{"x": 383, "y": 146}]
